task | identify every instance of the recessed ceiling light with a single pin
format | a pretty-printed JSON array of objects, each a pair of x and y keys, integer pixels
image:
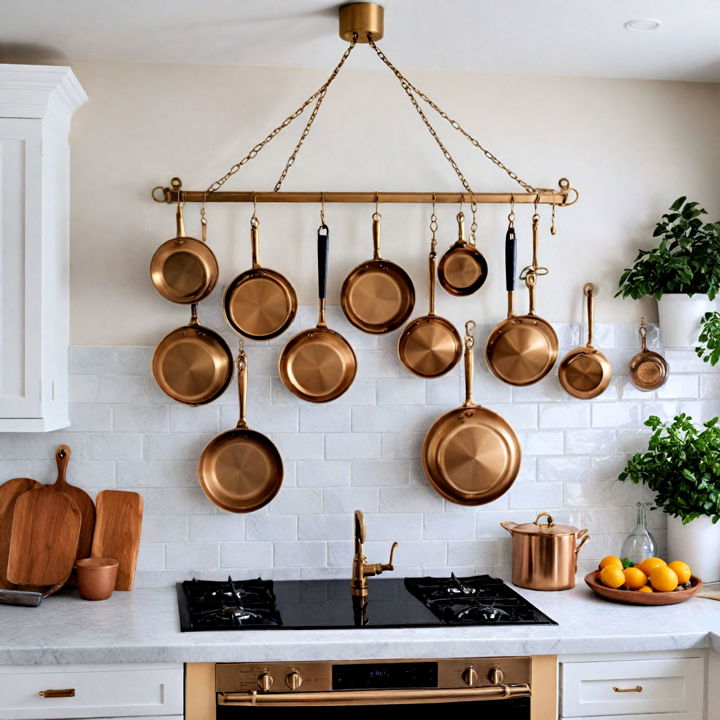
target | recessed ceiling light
[{"x": 642, "y": 25}]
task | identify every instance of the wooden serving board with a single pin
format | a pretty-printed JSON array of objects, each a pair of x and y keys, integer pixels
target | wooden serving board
[
  {"x": 117, "y": 532},
  {"x": 44, "y": 538},
  {"x": 10, "y": 491},
  {"x": 82, "y": 500}
]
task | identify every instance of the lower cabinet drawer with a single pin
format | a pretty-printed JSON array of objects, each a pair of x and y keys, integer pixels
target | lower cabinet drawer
[
  {"x": 633, "y": 687},
  {"x": 99, "y": 691}
]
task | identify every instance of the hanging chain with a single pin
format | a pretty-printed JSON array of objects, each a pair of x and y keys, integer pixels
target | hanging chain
[
  {"x": 317, "y": 95},
  {"x": 473, "y": 225},
  {"x": 433, "y": 229},
  {"x": 410, "y": 88}
]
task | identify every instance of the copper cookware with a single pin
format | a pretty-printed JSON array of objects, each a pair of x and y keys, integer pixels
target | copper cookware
[
  {"x": 585, "y": 372},
  {"x": 430, "y": 345},
  {"x": 544, "y": 555},
  {"x": 193, "y": 364},
  {"x": 240, "y": 470},
  {"x": 259, "y": 303},
  {"x": 318, "y": 365},
  {"x": 463, "y": 268},
  {"x": 378, "y": 295},
  {"x": 183, "y": 269},
  {"x": 648, "y": 370},
  {"x": 522, "y": 349},
  {"x": 471, "y": 455}
]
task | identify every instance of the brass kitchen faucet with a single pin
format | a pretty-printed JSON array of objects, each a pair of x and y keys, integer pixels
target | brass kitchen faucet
[{"x": 361, "y": 570}]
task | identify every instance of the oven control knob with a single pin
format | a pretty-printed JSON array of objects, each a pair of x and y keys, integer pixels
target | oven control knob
[
  {"x": 495, "y": 676},
  {"x": 265, "y": 681},
  {"x": 294, "y": 680},
  {"x": 470, "y": 676}
]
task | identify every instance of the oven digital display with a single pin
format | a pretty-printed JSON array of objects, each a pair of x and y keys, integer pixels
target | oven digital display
[{"x": 385, "y": 676}]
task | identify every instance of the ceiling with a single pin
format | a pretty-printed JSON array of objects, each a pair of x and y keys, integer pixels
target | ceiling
[{"x": 553, "y": 37}]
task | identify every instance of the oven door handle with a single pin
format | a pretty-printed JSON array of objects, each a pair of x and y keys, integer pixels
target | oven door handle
[{"x": 374, "y": 697}]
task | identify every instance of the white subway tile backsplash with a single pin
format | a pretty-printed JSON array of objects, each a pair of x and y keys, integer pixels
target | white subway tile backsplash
[
  {"x": 347, "y": 500},
  {"x": 300, "y": 554},
  {"x": 184, "y": 418},
  {"x": 352, "y": 446},
  {"x": 83, "y": 388},
  {"x": 378, "y": 419},
  {"x": 618, "y": 414},
  {"x": 380, "y": 473},
  {"x": 448, "y": 526},
  {"x": 296, "y": 500},
  {"x": 590, "y": 442},
  {"x": 165, "y": 528},
  {"x": 679, "y": 386},
  {"x": 299, "y": 446},
  {"x": 401, "y": 391},
  {"x": 324, "y": 418},
  {"x": 411, "y": 499},
  {"x": 91, "y": 360},
  {"x": 321, "y": 473},
  {"x": 151, "y": 556},
  {"x": 87, "y": 417},
  {"x": 209, "y": 528},
  {"x": 144, "y": 418},
  {"x": 170, "y": 446},
  {"x": 568, "y": 415},
  {"x": 115, "y": 446},
  {"x": 271, "y": 527},
  {"x": 325, "y": 527},
  {"x": 122, "y": 388},
  {"x": 247, "y": 555},
  {"x": 538, "y": 495},
  {"x": 402, "y": 446},
  {"x": 188, "y": 555}
]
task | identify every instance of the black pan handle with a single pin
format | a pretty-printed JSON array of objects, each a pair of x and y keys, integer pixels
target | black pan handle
[
  {"x": 323, "y": 250},
  {"x": 510, "y": 259}
]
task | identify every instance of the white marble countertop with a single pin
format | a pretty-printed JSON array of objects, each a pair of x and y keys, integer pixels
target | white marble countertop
[{"x": 143, "y": 626}]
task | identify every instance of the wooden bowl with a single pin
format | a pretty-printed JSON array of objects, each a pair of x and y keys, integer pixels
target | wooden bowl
[{"x": 634, "y": 597}]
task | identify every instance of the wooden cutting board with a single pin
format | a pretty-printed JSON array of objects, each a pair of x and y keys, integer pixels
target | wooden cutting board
[
  {"x": 44, "y": 538},
  {"x": 117, "y": 532},
  {"x": 10, "y": 491},
  {"x": 82, "y": 500}
]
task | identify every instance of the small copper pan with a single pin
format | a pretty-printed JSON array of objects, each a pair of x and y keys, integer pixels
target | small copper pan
[
  {"x": 648, "y": 370},
  {"x": 522, "y": 349},
  {"x": 463, "y": 268},
  {"x": 585, "y": 372},
  {"x": 378, "y": 295},
  {"x": 318, "y": 365},
  {"x": 183, "y": 269},
  {"x": 430, "y": 346},
  {"x": 471, "y": 455},
  {"x": 240, "y": 470},
  {"x": 193, "y": 364},
  {"x": 259, "y": 303}
]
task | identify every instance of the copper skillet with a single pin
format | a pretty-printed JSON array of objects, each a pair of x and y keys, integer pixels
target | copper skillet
[
  {"x": 378, "y": 295},
  {"x": 585, "y": 372},
  {"x": 522, "y": 349},
  {"x": 471, "y": 455},
  {"x": 259, "y": 303},
  {"x": 463, "y": 268},
  {"x": 430, "y": 345},
  {"x": 318, "y": 365},
  {"x": 183, "y": 269},
  {"x": 648, "y": 370},
  {"x": 193, "y": 364},
  {"x": 240, "y": 470}
]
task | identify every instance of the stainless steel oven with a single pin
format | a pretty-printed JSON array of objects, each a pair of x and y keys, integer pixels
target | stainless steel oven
[{"x": 512, "y": 688}]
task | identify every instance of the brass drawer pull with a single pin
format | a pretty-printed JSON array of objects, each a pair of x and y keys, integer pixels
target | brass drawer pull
[
  {"x": 637, "y": 688},
  {"x": 69, "y": 692}
]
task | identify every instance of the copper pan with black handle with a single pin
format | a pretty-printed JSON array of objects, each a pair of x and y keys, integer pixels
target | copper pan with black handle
[
  {"x": 463, "y": 269},
  {"x": 471, "y": 455}
]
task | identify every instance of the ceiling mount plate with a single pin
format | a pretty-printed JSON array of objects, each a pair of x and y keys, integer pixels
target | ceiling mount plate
[{"x": 363, "y": 18}]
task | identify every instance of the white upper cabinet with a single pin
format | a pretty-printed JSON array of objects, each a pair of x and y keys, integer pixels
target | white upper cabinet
[{"x": 36, "y": 105}]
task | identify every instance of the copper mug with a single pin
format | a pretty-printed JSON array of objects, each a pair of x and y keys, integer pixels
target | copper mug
[{"x": 544, "y": 555}]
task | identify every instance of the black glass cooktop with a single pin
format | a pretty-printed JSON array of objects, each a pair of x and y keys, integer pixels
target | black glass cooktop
[{"x": 316, "y": 604}]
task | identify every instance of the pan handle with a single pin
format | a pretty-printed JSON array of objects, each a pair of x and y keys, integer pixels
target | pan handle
[
  {"x": 323, "y": 248},
  {"x": 510, "y": 262},
  {"x": 508, "y": 525},
  {"x": 469, "y": 363},
  {"x": 461, "y": 229},
  {"x": 582, "y": 542},
  {"x": 589, "y": 290},
  {"x": 255, "y": 240},
  {"x": 179, "y": 222},
  {"x": 242, "y": 387},
  {"x": 376, "y": 235}
]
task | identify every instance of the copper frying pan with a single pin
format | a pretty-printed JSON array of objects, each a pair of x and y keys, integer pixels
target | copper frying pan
[
  {"x": 522, "y": 349},
  {"x": 259, "y": 303},
  {"x": 471, "y": 455},
  {"x": 648, "y": 370},
  {"x": 585, "y": 372},
  {"x": 240, "y": 470},
  {"x": 378, "y": 295},
  {"x": 318, "y": 365},
  {"x": 183, "y": 269},
  {"x": 193, "y": 364},
  {"x": 463, "y": 268},
  {"x": 430, "y": 345}
]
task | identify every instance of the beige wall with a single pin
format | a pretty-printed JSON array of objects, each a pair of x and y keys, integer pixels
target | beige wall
[{"x": 631, "y": 147}]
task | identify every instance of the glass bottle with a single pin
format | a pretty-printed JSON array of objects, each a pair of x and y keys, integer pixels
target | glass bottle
[{"x": 639, "y": 544}]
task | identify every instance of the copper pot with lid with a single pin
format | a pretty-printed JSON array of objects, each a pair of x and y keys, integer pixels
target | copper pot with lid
[{"x": 544, "y": 555}]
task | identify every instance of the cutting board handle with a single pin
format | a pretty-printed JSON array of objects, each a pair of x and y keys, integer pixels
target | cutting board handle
[{"x": 62, "y": 458}]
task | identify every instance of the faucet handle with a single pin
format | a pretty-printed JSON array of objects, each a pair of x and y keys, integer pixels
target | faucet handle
[
  {"x": 359, "y": 527},
  {"x": 390, "y": 565}
]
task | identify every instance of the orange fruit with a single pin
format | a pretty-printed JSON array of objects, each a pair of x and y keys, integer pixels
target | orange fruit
[
  {"x": 645, "y": 588},
  {"x": 682, "y": 570},
  {"x": 663, "y": 579},
  {"x": 649, "y": 564},
  {"x": 611, "y": 560},
  {"x": 634, "y": 578},
  {"x": 612, "y": 576}
]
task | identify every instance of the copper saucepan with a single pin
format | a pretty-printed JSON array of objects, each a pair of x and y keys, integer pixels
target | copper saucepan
[
  {"x": 648, "y": 370},
  {"x": 471, "y": 455},
  {"x": 585, "y": 372},
  {"x": 378, "y": 295},
  {"x": 259, "y": 303},
  {"x": 184, "y": 269},
  {"x": 240, "y": 470},
  {"x": 463, "y": 268}
]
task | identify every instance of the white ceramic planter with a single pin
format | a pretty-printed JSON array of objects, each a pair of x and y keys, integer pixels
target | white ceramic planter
[
  {"x": 680, "y": 317},
  {"x": 697, "y": 544}
]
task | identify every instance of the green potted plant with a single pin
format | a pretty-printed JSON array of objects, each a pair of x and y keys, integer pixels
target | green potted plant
[
  {"x": 682, "y": 466},
  {"x": 682, "y": 273}
]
